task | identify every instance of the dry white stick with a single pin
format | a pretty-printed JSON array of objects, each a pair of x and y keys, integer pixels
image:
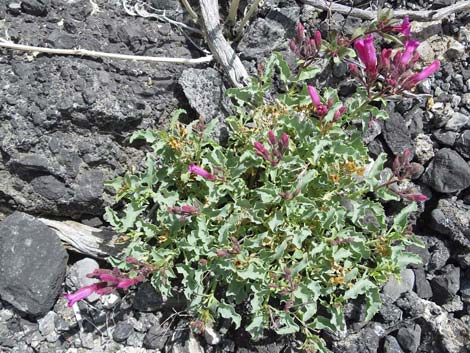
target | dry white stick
[
  {"x": 424, "y": 16},
  {"x": 219, "y": 46},
  {"x": 98, "y": 54},
  {"x": 189, "y": 9},
  {"x": 232, "y": 12},
  {"x": 85, "y": 239}
]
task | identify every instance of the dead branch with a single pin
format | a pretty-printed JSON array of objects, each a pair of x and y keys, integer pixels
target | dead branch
[
  {"x": 84, "y": 239},
  {"x": 98, "y": 54},
  {"x": 218, "y": 45},
  {"x": 423, "y": 16}
]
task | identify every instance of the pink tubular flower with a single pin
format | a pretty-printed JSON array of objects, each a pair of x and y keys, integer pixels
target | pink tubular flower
[
  {"x": 404, "y": 28},
  {"x": 318, "y": 39},
  {"x": 366, "y": 51},
  {"x": 416, "y": 197},
  {"x": 83, "y": 293},
  {"x": 339, "y": 113},
  {"x": 314, "y": 95},
  {"x": 410, "y": 47},
  {"x": 261, "y": 150},
  {"x": 195, "y": 169},
  {"x": 420, "y": 76},
  {"x": 283, "y": 143},
  {"x": 130, "y": 282}
]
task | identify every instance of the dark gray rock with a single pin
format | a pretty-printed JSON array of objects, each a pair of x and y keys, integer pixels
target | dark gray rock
[
  {"x": 409, "y": 338},
  {"x": 446, "y": 284},
  {"x": 465, "y": 287},
  {"x": 156, "y": 337},
  {"x": 396, "y": 134},
  {"x": 390, "y": 314},
  {"x": 391, "y": 345},
  {"x": 448, "y": 172},
  {"x": 147, "y": 299},
  {"x": 423, "y": 253},
  {"x": 30, "y": 278},
  {"x": 122, "y": 331},
  {"x": 422, "y": 285},
  {"x": 439, "y": 253},
  {"x": 35, "y": 7},
  {"x": 90, "y": 187},
  {"x": 452, "y": 218},
  {"x": 49, "y": 187},
  {"x": 365, "y": 341},
  {"x": 462, "y": 144},
  {"x": 261, "y": 38},
  {"x": 445, "y": 138},
  {"x": 205, "y": 92}
]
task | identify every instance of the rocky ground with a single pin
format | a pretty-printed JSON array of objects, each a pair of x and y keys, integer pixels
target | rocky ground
[{"x": 64, "y": 127}]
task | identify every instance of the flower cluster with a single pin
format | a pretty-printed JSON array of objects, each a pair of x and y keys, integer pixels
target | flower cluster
[
  {"x": 278, "y": 148},
  {"x": 404, "y": 27},
  {"x": 305, "y": 47},
  {"x": 404, "y": 169},
  {"x": 396, "y": 73},
  {"x": 184, "y": 211},
  {"x": 321, "y": 109},
  {"x": 110, "y": 280}
]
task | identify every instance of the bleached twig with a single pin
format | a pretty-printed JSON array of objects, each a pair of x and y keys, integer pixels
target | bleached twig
[
  {"x": 189, "y": 9},
  {"x": 98, "y": 54},
  {"x": 423, "y": 16},
  {"x": 218, "y": 45}
]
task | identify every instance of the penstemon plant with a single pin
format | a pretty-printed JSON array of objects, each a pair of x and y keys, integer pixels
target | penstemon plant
[{"x": 283, "y": 225}]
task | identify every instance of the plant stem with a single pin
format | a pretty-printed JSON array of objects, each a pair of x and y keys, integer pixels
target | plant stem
[
  {"x": 232, "y": 12},
  {"x": 190, "y": 10},
  {"x": 248, "y": 14}
]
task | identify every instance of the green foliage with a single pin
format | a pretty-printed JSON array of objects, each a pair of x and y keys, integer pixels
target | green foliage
[{"x": 270, "y": 245}]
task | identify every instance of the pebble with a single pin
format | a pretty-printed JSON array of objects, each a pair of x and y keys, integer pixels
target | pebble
[
  {"x": 122, "y": 331},
  {"x": 409, "y": 338},
  {"x": 456, "y": 50},
  {"x": 211, "y": 336},
  {"x": 423, "y": 148},
  {"x": 393, "y": 289}
]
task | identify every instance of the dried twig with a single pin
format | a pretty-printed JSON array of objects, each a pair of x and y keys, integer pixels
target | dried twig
[
  {"x": 424, "y": 16},
  {"x": 98, "y": 54},
  {"x": 218, "y": 45},
  {"x": 189, "y": 9}
]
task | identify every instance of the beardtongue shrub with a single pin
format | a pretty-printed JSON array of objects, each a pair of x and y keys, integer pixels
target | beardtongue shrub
[{"x": 283, "y": 225}]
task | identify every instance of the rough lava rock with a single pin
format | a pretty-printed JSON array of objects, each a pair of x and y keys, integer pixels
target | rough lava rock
[
  {"x": 448, "y": 172},
  {"x": 32, "y": 264},
  {"x": 452, "y": 218}
]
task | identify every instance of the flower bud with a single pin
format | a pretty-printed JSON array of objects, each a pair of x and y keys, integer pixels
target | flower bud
[{"x": 318, "y": 39}]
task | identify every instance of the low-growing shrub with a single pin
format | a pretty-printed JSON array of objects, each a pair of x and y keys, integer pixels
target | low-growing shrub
[{"x": 282, "y": 225}]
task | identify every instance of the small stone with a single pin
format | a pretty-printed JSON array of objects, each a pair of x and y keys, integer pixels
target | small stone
[
  {"x": 47, "y": 324},
  {"x": 457, "y": 122},
  {"x": 122, "y": 331},
  {"x": 456, "y": 99},
  {"x": 136, "y": 339},
  {"x": 396, "y": 134},
  {"x": 86, "y": 340},
  {"x": 423, "y": 148},
  {"x": 409, "y": 338},
  {"x": 156, "y": 337},
  {"x": 194, "y": 346},
  {"x": 448, "y": 172},
  {"x": 35, "y": 7},
  {"x": 439, "y": 253},
  {"x": 146, "y": 298},
  {"x": 390, "y": 314},
  {"x": 391, "y": 345},
  {"x": 466, "y": 100},
  {"x": 425, "y": 86},
  {"x": 422, "y": 285},
  {"x": 456, "y": 50},
  {"x": 462, "y": 145},
  {"x": 446, "y": 284},
  {"x": 445, "y": 138},
  {"x": 393, "y": 289},
  {"x": 455, "y": 305},
  {"x": 109, "y": 301}
]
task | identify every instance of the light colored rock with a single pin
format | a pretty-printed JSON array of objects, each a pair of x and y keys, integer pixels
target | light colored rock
[
  {"x": 194, "y": 346},
  {"x": 77, "y": 276},
  {"x": 393, "y": 289},
  {"x": 456, "y": 50},
  {"x": 423, "y": 148},
  {"x": 110, "y": 300},
  {"x": 457, "y": 122},
  {"x": 47, "y": 327},
  {"x": 211, "y": 336},
  {"x": 466, "y": 100}
]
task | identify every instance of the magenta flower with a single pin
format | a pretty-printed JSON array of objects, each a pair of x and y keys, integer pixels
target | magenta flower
[
  {"x": 416, "y": 197},
  {"x": 83, "y": 293},
  {"x": 321, "y": 109},
  {"x": 318, "y": 39},
  {"x": 404, "y": 27},
  {"x": 130, "y": 282},
  {"x": 195, "y": 169},
  {"x": 366, "y": 51},
  {"x": 271, "y": 137},
  {"x": 339, "y": 113},
  {"x": 283, "y": 143},
  {"x": 410, "y": 47},
  {"x": 303, "y": 46},
  {"x": 261, "y": 150},
  {"x": 420, "y": 76}
]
